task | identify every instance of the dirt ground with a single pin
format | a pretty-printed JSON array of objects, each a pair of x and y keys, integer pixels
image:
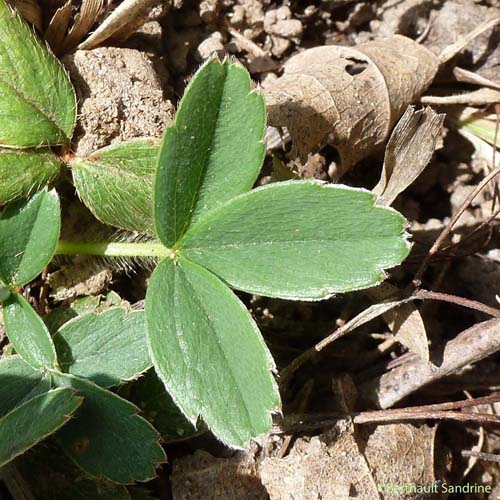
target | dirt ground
[{"x": 438, "y": 350}]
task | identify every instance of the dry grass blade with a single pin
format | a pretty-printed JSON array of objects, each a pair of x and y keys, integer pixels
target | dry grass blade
[
  {"x": 409, "y": 150},
  {"x": 479, "y": 97},
  {"x": 30, "y": 10},
  {"x": 452, "y": 50},
  {"x": 58, "y": 26},
  {"x": 89, "y": 11},
  {"x": 466, "y": 76},
  {"x": 470, "y": 346},
  {"x": 124, "y": 15}
]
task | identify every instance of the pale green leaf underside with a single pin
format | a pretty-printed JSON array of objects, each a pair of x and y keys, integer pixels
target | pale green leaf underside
[
  {"x": 28, "y": 333},
  {"x": 29, "y": 231},
  {"x": 107, "y": 438},
  {"x": 18, "y": 383},
  {"x": 116, "y": 184},
  {"x": 37, "y": 100},
  {"x": 106, "y": 348},
  {"x": 213, "y": 151},
  {"x": 22, "y": 173},
  {"x": 299, "y": 240},
  {"x": 209, "y": 353},
  {"x": 34, "y": 420}
]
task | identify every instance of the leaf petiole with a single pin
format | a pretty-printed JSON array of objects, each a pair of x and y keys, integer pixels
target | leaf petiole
[{"x": 114, "y": 249}]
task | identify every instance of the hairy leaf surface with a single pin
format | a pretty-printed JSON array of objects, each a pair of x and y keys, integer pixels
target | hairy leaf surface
[
  {"x": 34, "y": 420},
  {"x": 212, "y": 152},
  {"x": 28, "y": 333},
  {"x": 116, "y": 184},
  {"x": 106, "y": 348},
  {"x": 22, "y": 173},
  {"x": 29, "y": 231},
  {"x": 19, "y": 382},
  {"x": 209, "y": 353},
  {"x": 299, "y": 240},
  {"x": 107, "y": 438},
  {"x": 37, "y": 100}
]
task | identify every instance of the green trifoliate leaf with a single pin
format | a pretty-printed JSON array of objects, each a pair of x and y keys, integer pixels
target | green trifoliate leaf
[
  {"x": 28, "y": 333},
  {"x": 213, "y": 151},
  {"x": 50, "y": 474},
  {"x": 106, "y": 348},
  {"x": 299, "y": 240},
  {"x": 22, "y": 173},
  {"x": 108, "y": 438},
  {"x": 209, "y": 353},
  {"x": 29, "y": 231},
  {"x": 37, "y": 100},
  {"x": 18, "y": 383},
  {"x": 116, "y": 184},
  {"x": 34, "y": 420}
]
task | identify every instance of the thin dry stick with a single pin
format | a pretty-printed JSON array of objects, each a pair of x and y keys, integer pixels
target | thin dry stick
[
  {"x": 468, "y": 347},
  {"x": 362, "y": 318},
  {"x": 417, "y": 280},
  {"x": 373, "y": 312},
  {"x": 473, "y": 232},
  {"x": 452, "y": 50},
  {"x": 481, "y": 455},
  {"x": 396, "y": 415},
  {"x": 459, "y": 301}
]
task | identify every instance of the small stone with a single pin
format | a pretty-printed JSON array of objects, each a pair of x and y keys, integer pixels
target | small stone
[
  {"x": 279, "y": 22},
  {"x": 120, "y": 97},
  {"x": 212, "y": 44}
]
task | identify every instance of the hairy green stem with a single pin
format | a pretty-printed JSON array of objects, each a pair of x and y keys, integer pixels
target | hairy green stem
[{"x": 114, "y": 249}]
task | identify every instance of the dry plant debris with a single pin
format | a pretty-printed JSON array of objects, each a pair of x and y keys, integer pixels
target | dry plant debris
[{"x": 353, "y": 95}]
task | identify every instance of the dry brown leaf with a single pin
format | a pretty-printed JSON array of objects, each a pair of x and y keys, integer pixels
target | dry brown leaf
[
  {"x": 325, "y": 466},
  {"x": 405, "y": 322},
  {"x": 409, "y": 150},
  {"x": 87, "y": 16},
  {"x": 401, "y": 454},
  {"x": 354, "y": 94},
  {"x": 470, "y": 346},
  {"x": 124, "y": 17},
  {"x": 30, "y": 10},
  {"x": 343, "y": 464},
  {"x": 58, "y": 26}
]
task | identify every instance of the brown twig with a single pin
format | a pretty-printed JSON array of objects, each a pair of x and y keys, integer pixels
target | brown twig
[
  {"x": 490, "y": 457},
  {"x": 470, "y": 346},
  {"x": 417, "y": 280},
  {"x": 459, "y": 301},
  {"x": 373, "y": 312}
]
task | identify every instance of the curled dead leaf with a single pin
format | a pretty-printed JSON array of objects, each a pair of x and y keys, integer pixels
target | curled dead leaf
[{"x": 355, "y": 95}]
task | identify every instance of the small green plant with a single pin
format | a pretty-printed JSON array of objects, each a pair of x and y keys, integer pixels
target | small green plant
[{"x": 209, "y": 232}]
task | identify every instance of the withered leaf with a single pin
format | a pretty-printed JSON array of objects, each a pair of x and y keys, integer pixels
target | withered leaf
[
  {"x": 123, "y": 18},
  {"x": 409, "y": 150},
  {"x": 353, "y": 94},
  {"x": 405, "y": 321}
]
